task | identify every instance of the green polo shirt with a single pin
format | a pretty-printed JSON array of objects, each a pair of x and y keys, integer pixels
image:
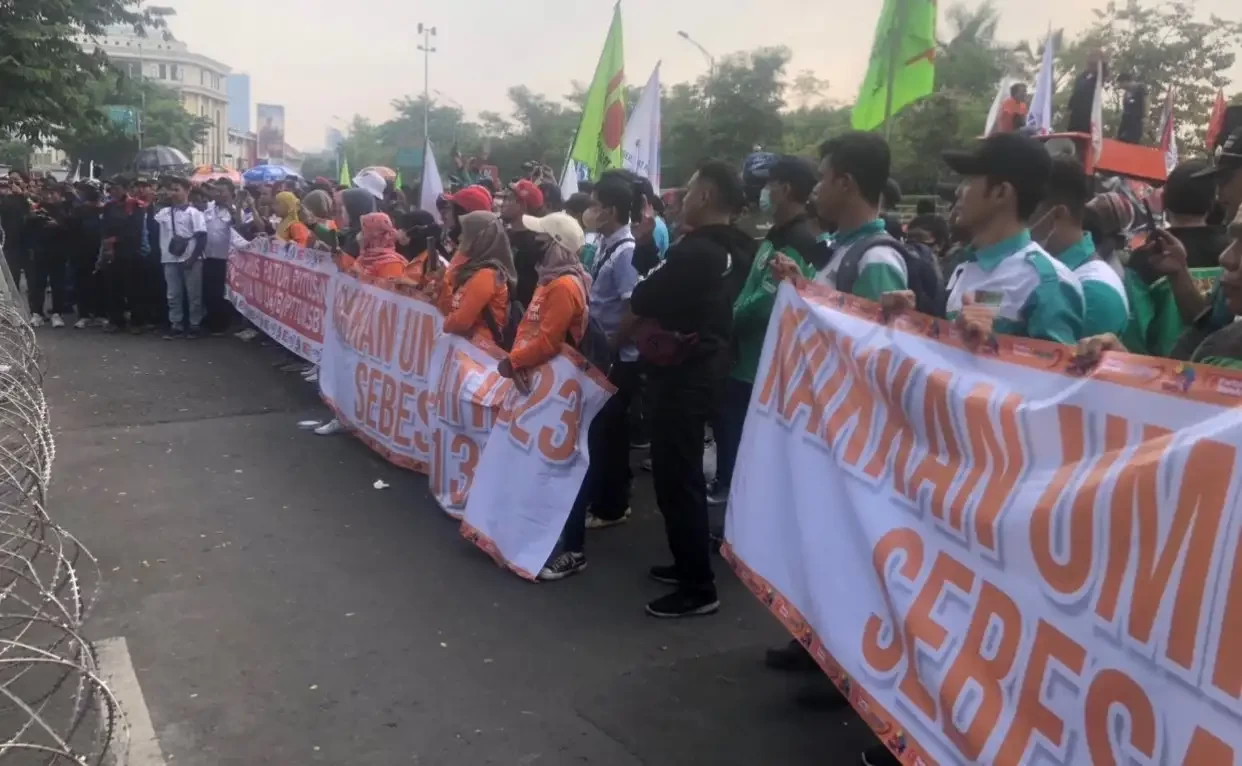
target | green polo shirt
[
  {"x": 1107, "y": 308},
  {"x": 881, "y": 269}
]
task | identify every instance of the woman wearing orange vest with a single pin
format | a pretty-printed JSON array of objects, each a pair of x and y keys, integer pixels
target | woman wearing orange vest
[{"x": 474, "y": 296}]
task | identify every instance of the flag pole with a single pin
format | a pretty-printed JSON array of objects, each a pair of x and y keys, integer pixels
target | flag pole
[{"x": 894, "y": 49}]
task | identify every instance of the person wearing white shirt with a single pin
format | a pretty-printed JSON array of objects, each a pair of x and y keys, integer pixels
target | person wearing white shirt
[
  {"x": 222, "y": 238},
  {"x": 183, "y": 239}
]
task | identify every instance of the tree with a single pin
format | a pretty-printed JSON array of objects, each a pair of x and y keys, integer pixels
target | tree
[
  {"x": 1163, "y": 45},
  {"x": 15, "y": 154},
  {"x": 45, "y": 76},
  {"x": 164, "y": 122}
]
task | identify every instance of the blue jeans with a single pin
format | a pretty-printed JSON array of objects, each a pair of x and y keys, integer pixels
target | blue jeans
[
  {"x": 184, "y": 281},
  {"x": 727, "y": 427}
]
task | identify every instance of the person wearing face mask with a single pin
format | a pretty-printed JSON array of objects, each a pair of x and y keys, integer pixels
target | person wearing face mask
[
  {"x": 790, "y": 183},
  {"x": 1058, "y": 228}
]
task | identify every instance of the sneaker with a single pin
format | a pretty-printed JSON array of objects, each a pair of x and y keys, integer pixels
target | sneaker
[
  {"x": 331, "y": 428},
  {"x": 312, "y": 376},
  {"x": 298, "y": 367},
  {"x": 717, "y": 494},
  {"x": 247, "y": 334},
  {"x": 565, "y": 565},
  {"x": 792, "y": 657},
  {"x": 309, "y": 371},
  {"x": 595, "y": 522},
  {"x": 36, "y": 320},
  {"x": 640, "y": 444},
  {"x": 685, "y": 602},
  {"x": 58, "y": 321},
  {"x": 174, "y": 333},
  {"x": 82, "y": 324},
  {"x": 879, "y": 756},
  {"x": 667, "y": 575},
  {"x": 194, "y": 334}
]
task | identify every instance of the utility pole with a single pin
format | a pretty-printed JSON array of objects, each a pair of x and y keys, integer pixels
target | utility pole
[{"x": 427, "y": 33}]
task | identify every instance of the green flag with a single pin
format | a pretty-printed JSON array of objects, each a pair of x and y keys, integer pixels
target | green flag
[
  {"x": 345, "y": 179},
  {"x": 598, "y": 143},
  {"x": 397, "y": 184},
  {"x": 904, "y": 53}
]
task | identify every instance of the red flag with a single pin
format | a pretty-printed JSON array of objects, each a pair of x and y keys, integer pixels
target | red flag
[{"x": 1217, "y": 122}]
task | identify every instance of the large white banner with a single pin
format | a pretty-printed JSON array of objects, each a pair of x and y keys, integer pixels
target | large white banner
[
  {"x": 378, "y": 372},
  {"x": 539, "y": 444},
  {"x": 283, "y": 290},
  {"x": 997, "y": 561}
]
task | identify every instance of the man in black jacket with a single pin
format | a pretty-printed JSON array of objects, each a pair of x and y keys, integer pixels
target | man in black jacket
[
  {"x": 124, "y": 247},
  {"x": 687, "y": 301},
  {"x": 50, "y": 236},
  {"x": 14, "y": 209}
]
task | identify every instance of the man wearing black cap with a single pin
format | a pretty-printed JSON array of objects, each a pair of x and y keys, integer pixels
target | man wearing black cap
[
  {"x": 1007, "y": 283},
  {"x": 1227, "y": 170}
]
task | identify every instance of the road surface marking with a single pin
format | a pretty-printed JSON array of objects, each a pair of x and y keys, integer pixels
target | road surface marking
[{"x": 118, "y": 671}]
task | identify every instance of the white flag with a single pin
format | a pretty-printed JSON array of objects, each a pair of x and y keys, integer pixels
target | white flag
[
  {"x": 1002, "y": 93},
  {"x": 73, "y": 178},
  {"x": 640, "y": 148},
  {"x": 1097, "y": 114},
  {"x": 569, "y": 179},
  {"x": 431, "y": 187},
  {"x": 1168, "y": 132},
  {"x": 1039, "y": 118}
]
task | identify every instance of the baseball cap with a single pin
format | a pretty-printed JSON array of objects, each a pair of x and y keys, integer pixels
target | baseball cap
[
  {"x": 372, "y": 182},
  {"x": 561, "y": 227},
  {"x": 473, "y": 199},
  {"x": 1228, "y": 156},
  {"x": 528, "y": 194},
  {"x": 1012, "y": 157}
]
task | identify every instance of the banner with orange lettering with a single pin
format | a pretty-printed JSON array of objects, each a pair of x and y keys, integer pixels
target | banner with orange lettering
[
  {"x": 996, "y": 560},
  {"x": 283, "y": 290},
  {"x": 378, "y": 370},
  {"x": 534, "y": 462}
]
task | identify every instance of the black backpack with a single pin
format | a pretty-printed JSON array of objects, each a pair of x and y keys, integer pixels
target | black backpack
[
  {"x": 922, "y": 272},
  {"x": 505, "y": 335},
  {"x": 594, "y": 345}
]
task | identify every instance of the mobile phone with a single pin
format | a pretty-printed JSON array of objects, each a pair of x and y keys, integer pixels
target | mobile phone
[{"x": 432, "y": 254}]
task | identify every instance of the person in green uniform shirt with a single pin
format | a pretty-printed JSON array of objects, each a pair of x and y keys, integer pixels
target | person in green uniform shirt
[
  {"x": 790, "y": 183},
  {"x": 1223, "y": 346},
  {"x": 1058, "y": 227},
  {"x": 853, "y": 174},
  {"x": 1006, "y": 283}
]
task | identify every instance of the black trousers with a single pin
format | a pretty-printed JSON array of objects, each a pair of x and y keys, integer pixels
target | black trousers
[
  {"x": 220, "y": 311},
  {"x": 145, "y": 292},
  {"x": 18, "y": 260},
  {"x": 727, "y": 426},
  {"x": 682, "y": 403},
  {"x": 90, "y": 289},
  {"x": 49, "y": 267},
  {"x": 605, "y": 489}
]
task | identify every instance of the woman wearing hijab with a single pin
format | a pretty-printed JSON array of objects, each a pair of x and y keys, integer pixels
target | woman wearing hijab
[
  {"x": 290, "y": 228},
  {"x": 421, "y": 227},
  {"x": 352, "y": 205},
  {"x": 558, "y": 308},
  {"x": 474, "y": 296},
  {"x": 322, "y": 218},
  {"x": 377, "y": 255}
]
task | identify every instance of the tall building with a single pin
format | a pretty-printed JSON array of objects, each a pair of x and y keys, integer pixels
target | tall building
[
  {"x": 199, "y": 80},
  {"x": 239, "y": 102}
]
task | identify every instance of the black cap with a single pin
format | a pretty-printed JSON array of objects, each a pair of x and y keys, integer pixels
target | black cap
[
  {"x": 1012, "y": 157},
  {"x": 1228, "y": 156}
]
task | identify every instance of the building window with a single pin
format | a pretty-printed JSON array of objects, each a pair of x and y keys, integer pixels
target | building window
[
  {"x": 163, "y": 71},
  {"x": 173, "y": 71},
  {"x": 202, "y": 77}
]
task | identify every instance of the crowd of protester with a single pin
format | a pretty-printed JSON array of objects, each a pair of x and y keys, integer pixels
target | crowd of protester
[{"x": 674, "y": 303}]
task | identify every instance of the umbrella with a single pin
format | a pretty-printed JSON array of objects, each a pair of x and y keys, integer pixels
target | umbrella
[
  {"x": 388, "y": 174},
  {"x": 156, "y": 159},
  {"x": 267, "y": 174},
  {"x": 205, "y": 173}
]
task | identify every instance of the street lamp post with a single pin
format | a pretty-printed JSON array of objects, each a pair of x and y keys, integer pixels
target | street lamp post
[
  {"x": 711, "y": 60},
  {"x": 425, "y": 47}
]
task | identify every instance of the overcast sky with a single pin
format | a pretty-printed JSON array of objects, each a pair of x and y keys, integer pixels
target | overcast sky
[{"x": 321, "y": 58}]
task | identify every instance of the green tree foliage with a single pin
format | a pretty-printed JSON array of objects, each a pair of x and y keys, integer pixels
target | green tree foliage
[
  {"x": 164, "y": 122},
  {"x": 46, "y": 78},
  {"x": 15, "y": 154}
]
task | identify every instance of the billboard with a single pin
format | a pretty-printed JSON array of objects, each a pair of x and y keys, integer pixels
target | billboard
[{"x": 271, "y": 118}]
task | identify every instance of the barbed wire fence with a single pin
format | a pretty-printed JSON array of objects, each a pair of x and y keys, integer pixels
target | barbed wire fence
[{"x": 55, "y": 707}]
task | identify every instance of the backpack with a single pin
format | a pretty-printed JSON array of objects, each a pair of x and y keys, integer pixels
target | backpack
[
  {"x": 505, "y": 335},
  {"x": 922, "y": 273},
  {"x": 594, "y": 344}
]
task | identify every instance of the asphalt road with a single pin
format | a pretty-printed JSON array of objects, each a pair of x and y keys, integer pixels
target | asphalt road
[{"x": 280, "y": 610}]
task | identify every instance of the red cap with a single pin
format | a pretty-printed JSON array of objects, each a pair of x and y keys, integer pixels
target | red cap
[
  {"x": 473, "y": 199},
  {"x": 528, "y": 194}
]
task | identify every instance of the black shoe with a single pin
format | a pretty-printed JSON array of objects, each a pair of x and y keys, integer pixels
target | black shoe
[
  {"x": 792, "y": 657},
  {"x": 685, "y": 602},
  {"x": 194, "y": 334},
  {"x": 666, "y": 575},
  {"x": 820, "y": 694},
  {"x": 174, "y": 334},
  {"x": 717, "y": 494},
  {"x": 565, "y": 565},
  {"x": 879, "y": 756}
]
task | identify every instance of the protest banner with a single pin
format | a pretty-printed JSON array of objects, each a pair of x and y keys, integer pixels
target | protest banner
[
  {"x": 377, "y": 372},
  {"x": 539, "y": 445},
  {"x": 283, "y": 290},
  {"x": 997, "y": 561}
]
